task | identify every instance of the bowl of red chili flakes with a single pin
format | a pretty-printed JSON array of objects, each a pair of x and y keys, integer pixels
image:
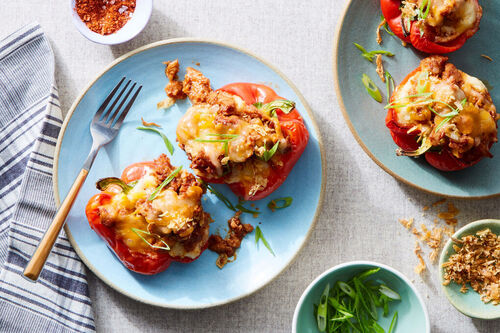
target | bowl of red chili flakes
[{"x": 111, "y": 21}]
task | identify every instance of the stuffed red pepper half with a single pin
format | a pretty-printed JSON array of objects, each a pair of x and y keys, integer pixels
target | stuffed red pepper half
[
  {"x": 444, "y": 114},
  {"x": 242, "y": 134},
  {"x": 433, "y": 26},
  {"x": 151, "y": 216}
]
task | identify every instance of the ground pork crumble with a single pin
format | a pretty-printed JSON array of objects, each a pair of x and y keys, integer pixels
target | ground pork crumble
[{"x": 226, "y": 247}]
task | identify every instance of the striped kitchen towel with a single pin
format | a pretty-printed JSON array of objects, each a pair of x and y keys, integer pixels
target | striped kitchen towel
[{"x": 30, "y": 119}]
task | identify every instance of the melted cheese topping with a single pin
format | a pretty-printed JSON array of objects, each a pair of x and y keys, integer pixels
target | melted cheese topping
[
  {"x": 172, "y": 214},
  {"x": 450, "y": 18},
  {"x": 473, "y": 120},
  {"x": 454, "y": 17},
  {"x": 251, "y": 137}
]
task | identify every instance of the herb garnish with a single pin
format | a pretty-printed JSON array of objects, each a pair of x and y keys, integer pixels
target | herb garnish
[
  {"x": 388, "y": 77},
  {"x": 371, "y": 88},
  {"x": 227, "y": 138},
  {"x": 423, "y": 11},
  {"x": 102, "y": 184},
  {"x": 246, "y": 210},
  {"x": 270, "y": 108},
  {"x": 260, "y": 235},
  {"x": 386, "y": 26},
  {"x": 370, "y": 55},
  {"x": 138, "y": 233},
  {"x": 168, "y": 144},
  {"x": 268, "y": 154},
  {"x": 273, "y": 204},
  {"x": 352, "y": 306},
  {"x": 167, "y": 180},
  {"x": 226, "y": 201}
]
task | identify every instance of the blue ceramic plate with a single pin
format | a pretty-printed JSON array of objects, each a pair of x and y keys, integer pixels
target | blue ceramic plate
[
  {"x": 365, "y": 116},
  {"x": 470, "y": 303},
  {"x": 199, "y": 284},
  {"x": 412, "y": 314}
]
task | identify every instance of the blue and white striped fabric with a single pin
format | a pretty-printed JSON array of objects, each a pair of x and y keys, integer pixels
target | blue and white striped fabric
[{"x": 30, "y": 120}]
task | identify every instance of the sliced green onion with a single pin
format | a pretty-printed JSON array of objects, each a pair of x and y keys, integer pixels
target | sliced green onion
[
  {"x": 268, "y": 154},
  {"x": 423, "y": 77},
  {"x": 164, "y": 183},
  {"x": 370, "y": 55},
  {"x": 167, "y": 142},
  {"x": 102, "y": 184},
  {"x": 441, "y": 124},
  {"x": 463, "y": 101},
  {"x": 260, "y": 235},
  {"x": 219, "y": 195},
  {"x": 132, "y": 184},
  {"x": 347, "y": 289},
  {"x": 138, "y": 233},
  {"x": 229, "y": 138},
  {"x": 393, "y": 322},
  {"x": 393, "y": 104},
  {"x": 377, "y": 328},
  {"x": 386, "y": 27},
  {"x": 426, "y": 4},
  {"x": 323, "y": 309},
  {"x": 389, "y": 80},
  {"x": 273, "y": 204},
  {"x": 270, "y": 108},
  {"x": 367, "y": 273},
  {"x": 246, "y": 210},
  {"x": 223, "y": 135},
  {"x": 361, "y": 48},
  {"x": 371, "y": 88}
]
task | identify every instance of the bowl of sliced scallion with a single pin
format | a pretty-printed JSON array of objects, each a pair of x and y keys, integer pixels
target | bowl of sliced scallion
[{"x": 361, "y": 296}]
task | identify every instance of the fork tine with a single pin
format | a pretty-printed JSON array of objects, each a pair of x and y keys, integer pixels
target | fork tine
[
  {"x": 110, "y": 113},
  {"x": 104, "y": 104},
  {"x": 116, "y": 112},
  {"x": 119, "y": 121}
]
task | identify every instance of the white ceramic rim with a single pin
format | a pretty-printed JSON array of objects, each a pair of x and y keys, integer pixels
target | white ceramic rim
[
  {"x": 446, "y": 248},
  {"x": 177, "y": 41},
  {"x": 360, "y": 262},
  {"x": 132, "y": 28}
]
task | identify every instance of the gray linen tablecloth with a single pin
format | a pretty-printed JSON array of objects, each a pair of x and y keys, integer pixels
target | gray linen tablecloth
[{"x": 362, "y": 202}]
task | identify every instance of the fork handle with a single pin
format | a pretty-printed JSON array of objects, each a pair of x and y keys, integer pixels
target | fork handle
[{"x": 35, "y": 265}]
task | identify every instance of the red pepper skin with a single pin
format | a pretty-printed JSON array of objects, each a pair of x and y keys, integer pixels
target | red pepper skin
[
  {"x": 293, "y": 128},
  {"x": 145, "y": 262},
  {"x": 392, "y": 14},
  {"x": 443, "y": 160}
]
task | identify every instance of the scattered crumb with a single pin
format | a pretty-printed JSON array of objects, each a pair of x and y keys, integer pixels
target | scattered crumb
[
  {"x": 432, "y": 237},
  {"x": 421, "y": 265},
  {"x": 439, "y": 202},
  {"x": 145, "y": 123},
  {"x": 449, "y": 216},
  {"x": 166, "y": 103},
  {"x": 486, "y": 57},
  {"x": 406, "y": 223},
  {"x": 379, "y": 35},
  {"x": 380, "y": 67},
  {"x": 476, "y": 262}
]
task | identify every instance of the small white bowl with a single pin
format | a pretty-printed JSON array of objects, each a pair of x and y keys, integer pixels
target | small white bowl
[{"x": 132, "y": 28}]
